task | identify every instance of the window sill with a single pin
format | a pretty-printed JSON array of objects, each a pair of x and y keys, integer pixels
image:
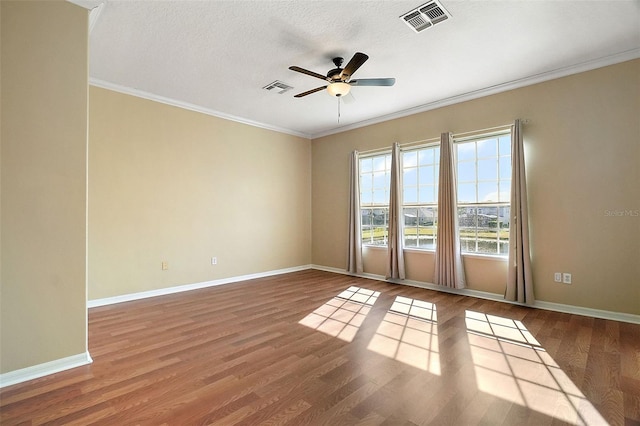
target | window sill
[
  {"x": 405, "y": 249},
  {"x": 364, "y": 246},
  {"x": 495, "y": 257},
  {"x": 498, "y": 258},
  {"x": 418, "y": 250}
]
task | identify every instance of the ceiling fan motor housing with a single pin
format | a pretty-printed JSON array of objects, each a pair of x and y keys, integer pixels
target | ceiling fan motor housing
[{"x": 334, "y": 74}]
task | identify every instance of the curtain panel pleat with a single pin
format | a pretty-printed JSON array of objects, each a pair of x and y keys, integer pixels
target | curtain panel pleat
[
  {"x": 449, "y": 269},
  {"x": 354, "y": 252},
  {"x": 395, "y": 261},
  {"x": 519, "y": 277}
]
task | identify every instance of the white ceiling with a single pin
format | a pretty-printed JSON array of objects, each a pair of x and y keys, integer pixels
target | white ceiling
[{"x": 216, "y": 56}]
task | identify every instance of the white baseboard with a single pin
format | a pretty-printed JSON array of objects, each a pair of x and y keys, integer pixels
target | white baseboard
[
  {"x": 40, "y": 370},
  {"x": 549, "y": 306},
  {"x": 187, "y": 287},
  {"x": 55, "y": 366},
  {"x": 539, "y": 304},
  {"x": 587, "y": 312}
]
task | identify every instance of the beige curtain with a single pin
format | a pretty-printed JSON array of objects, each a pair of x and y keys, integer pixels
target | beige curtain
[
  {"x": 354, "y": 253},
  {"x": 519, "y": 278},
  {"x": 395, "y": 262},
  {"x": 449, "y": 269}
]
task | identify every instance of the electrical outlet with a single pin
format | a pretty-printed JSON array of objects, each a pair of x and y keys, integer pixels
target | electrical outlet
[
  {"x": 566, "y": 278},
  {"x": 214, "y": 260},
  {"x": 165, "y": 265},
  {"x": 557, "y": 277}
]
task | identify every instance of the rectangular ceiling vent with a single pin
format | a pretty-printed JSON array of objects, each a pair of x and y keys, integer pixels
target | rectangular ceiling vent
[
  {"x": 425, "y": 16},
  {"x": 278, "y": 87}
]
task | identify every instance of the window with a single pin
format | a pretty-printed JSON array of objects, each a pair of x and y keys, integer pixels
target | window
[
  {"x": 483, "y": 166},
  {"x": 484, "y": 191},
  {"x": 420, "y": 169},
  {"x": 375, "y": 177}
]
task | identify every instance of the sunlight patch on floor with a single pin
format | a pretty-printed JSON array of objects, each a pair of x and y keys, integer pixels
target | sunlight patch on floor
[
  {"x": 511, "y": 364},
  {"x": 342, "y": 316},
  {"x": 409, "y": 333}
]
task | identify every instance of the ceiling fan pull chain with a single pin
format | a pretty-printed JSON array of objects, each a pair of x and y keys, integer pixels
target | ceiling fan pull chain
[{"x": 338, "y": 110}]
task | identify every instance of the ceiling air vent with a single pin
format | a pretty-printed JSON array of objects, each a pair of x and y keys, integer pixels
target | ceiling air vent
[
  {"x": 416, "y": 21},
  {"x": 278, "y": 87},
  {"x": 425, "y": 16}
]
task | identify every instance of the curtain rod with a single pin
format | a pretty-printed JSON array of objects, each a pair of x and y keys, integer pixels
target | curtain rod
[
  {"x": 373, "y": 151},
  {"x": 480, "y": 131},
  {"x": 455, "y": 135},
  {"x": 422, "y": 142},
  {"x": 402, "y": 145},
  {"x": 487, "y": 130}
]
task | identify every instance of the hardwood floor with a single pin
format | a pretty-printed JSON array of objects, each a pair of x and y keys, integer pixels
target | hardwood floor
[{"x": 316, "y": 348}]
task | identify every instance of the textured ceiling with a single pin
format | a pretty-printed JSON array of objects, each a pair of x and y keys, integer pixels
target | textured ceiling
[{"x": 216, "y": 56}]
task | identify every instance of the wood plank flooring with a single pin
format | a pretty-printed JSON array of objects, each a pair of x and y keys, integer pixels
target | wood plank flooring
[{"x": 317, "y": 348}]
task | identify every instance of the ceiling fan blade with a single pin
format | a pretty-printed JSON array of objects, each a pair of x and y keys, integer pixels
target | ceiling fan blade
[
  {"x": 373, "y": 82},
  {"x": 308, "y": 92},
  {"x": 356, "y": 62},
  {"x": 307, "y": 72}
]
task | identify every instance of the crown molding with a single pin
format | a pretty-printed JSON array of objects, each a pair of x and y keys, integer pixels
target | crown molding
[
  {"x": 191, "y": 107},
  {"x": 463, "y": 97},
  {"x": 515, "y": 84}
]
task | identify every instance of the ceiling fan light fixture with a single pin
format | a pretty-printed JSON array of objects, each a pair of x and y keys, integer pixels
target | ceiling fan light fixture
[{"x": 338, "y": 89}]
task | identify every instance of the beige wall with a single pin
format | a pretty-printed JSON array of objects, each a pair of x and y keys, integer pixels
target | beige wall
[
  {"x": 43, "y": 220},
  {"x": 168, "y": 184},
  {"x": 583, "y": 159},
  {"x": 172, "y": 185}
]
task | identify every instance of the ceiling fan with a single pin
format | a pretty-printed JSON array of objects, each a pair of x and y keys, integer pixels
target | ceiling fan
[{"x": 339, "y": 79}]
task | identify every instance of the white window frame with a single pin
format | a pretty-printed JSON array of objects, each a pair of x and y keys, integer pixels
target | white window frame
[
  {"x": 433, "y": 206},
  {"x": 381, "y": 204},
  {"x": 369, "y": 235},
  {"x": 502, "y": 243}
]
